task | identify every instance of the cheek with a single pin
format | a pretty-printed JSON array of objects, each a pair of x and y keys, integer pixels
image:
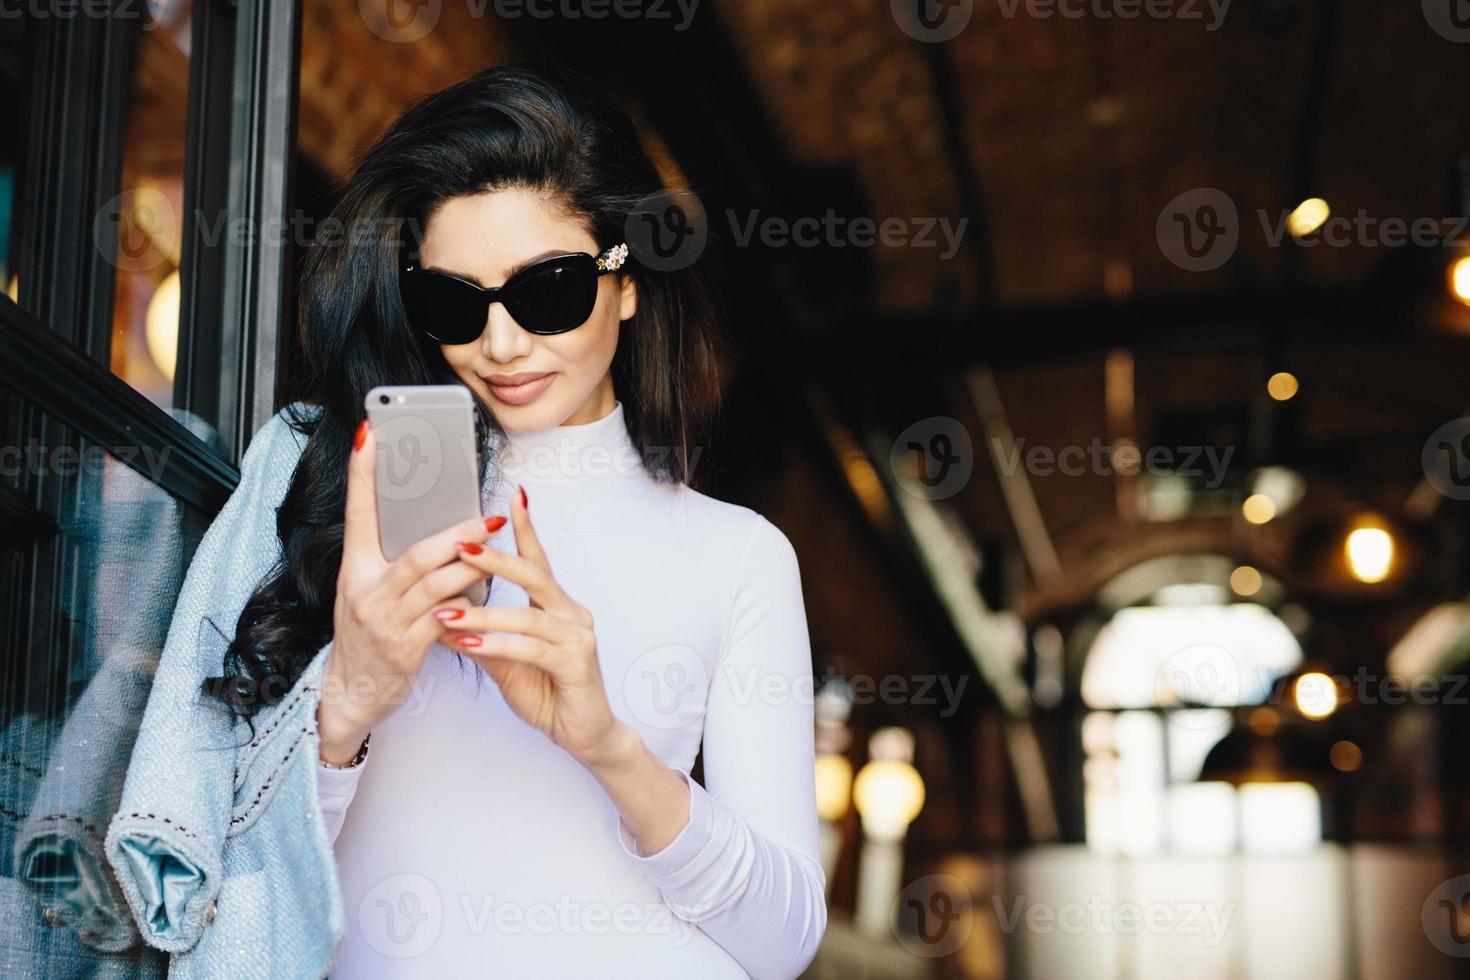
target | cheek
[
  {"x": 460, "y": 357},
  {"x": 592, "y": 344}
]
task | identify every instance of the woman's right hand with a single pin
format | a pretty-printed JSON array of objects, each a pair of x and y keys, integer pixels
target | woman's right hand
[{"x": 383, "y": 620}]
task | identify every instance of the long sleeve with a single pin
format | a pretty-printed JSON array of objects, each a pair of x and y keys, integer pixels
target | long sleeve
[
  {"x": 745, "y": 869},
  {"x": 336, "y": 787}
]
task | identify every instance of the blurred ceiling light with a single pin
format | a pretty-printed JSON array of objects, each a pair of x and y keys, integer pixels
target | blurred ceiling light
[
  {"x": 1245, "y": 580},
  {"x": 1309, "y": 215},
  {"x": 162, "y": 325},
  {"x": 1258, "y": 508},
  {"x": 1460, "y": 280},
  {"x": 1430, "y": 645},
  {"x": 888, "y": 794},
  {"x": 1346, "y": 756},
  {"x": 1166, "y": 496},
  {"x": 1284, "y": 486},
  {"x": 1282, "y": 386},
  {"x": 834, "y": 786},
  {"x": 1263, "y": 721},
  {"x": 1369, "y": 553},
  {"x": 1315, "y": 694}
]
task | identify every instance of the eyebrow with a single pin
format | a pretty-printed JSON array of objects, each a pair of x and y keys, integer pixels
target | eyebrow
[{"x": 514, "y": 270}]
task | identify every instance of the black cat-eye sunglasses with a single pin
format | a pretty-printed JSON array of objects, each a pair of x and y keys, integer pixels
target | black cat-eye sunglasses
[{"x": 549, "y": 296}]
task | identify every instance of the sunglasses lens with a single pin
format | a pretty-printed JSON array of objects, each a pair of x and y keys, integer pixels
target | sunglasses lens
[
  {"x": 556, "y": 297},
  {"x": 449, "y": 311}
]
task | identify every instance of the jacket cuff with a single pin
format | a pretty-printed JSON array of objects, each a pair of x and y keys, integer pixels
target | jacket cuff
[{"x": 168, "y": 876}]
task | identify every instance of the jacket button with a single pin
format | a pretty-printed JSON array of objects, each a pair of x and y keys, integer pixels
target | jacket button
[
  {"x": 209, "y": 912},
  {"x": 49, "y": 914}
]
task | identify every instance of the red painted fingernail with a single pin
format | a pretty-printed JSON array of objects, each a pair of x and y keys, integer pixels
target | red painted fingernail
[
  {"x": 361, "y": 437},
  {"x": 493, "y": 524},
  {"x": 470, "y": 548},
  {"x": 525, "y": 505},
  {"x": 469, "y": 641},
  {"x": 448, "y": 613}
]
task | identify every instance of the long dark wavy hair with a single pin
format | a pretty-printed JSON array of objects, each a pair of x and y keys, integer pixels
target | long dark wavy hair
[{"x": 539, "y": 128}]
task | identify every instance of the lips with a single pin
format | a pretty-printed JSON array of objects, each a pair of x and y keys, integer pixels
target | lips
[{"x": 521, "y": 388}]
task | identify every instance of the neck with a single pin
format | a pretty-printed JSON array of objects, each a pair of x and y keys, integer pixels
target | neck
[
  {"x": 597, "y": 405},
  {"x": 597, "y": 449}
]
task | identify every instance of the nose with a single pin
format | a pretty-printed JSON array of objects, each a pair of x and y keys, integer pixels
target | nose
[{"x": 503, "y": 340}]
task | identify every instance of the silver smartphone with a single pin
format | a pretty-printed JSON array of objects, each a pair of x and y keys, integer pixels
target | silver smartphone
[{"x": 428, "y": 467}]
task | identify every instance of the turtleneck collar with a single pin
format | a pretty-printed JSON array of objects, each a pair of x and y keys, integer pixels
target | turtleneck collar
[{"x": 598, "y": 449}]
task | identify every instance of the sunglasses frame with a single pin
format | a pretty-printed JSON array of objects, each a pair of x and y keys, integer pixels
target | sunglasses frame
[{"x": 610, "y": 260}]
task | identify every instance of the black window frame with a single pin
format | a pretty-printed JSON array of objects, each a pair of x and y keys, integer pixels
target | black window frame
[{"x": 240, "y": 131}]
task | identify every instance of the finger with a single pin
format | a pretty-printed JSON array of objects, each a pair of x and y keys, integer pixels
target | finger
[
  {"x": 436, "y": 589},
  {"x": 527, "y": 544},
  {"x": 360, "y": 515},
  {"x": 436, "y": 551},
  {"x": 511, "y": 646},
  {"x": 427, "y": 630},
  {"x": 524, "y": 620},
  {"x": 542, "y": 589}
]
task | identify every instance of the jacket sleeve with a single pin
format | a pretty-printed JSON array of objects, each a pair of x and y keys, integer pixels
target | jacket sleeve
[
  {"x": 746, "y": 868},
  {"x": 166, "y": 839}
]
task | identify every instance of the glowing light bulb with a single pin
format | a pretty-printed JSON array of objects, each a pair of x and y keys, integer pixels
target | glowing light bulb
[
  {"x": 1370, "y": 554},
  {"x": 1315, "y": 694},
  {"x": 1460, "y": 280},
  {"x": 1309, "y": 215},
  {"x": 1245, "y": 581},
  {"x": 1282, "y": 386},
  {"x": 1258, "y": 508}
]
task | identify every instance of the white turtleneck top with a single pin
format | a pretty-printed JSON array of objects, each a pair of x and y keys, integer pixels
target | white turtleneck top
[{"x": 470, "y": 845}]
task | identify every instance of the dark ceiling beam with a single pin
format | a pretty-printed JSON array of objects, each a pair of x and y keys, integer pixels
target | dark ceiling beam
[
  {"x": 966, "y": 172},
  {"x": 1206, "y": 321}
]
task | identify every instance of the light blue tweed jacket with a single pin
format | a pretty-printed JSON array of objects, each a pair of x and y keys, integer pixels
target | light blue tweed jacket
[{"x": 219, "y": 842}]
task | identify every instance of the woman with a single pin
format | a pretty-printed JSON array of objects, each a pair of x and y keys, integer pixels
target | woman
[{"x": 505, "y": 787}]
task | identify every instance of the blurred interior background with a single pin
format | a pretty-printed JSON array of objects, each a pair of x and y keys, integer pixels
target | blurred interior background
[{"x": 1103, "y": 362}]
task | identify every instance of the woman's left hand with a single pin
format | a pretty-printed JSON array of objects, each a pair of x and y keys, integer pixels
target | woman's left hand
[{"x": 543, "y": 656}]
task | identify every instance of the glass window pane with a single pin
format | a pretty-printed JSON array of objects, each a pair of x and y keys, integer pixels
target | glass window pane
[
  {"x": 149, "y": 208},
  {"x": 15, "y": 77},
  {"x": 93, "y": 556}
]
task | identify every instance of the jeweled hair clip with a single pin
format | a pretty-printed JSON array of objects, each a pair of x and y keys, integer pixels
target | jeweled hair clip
[{"x": 614, "y": 257}]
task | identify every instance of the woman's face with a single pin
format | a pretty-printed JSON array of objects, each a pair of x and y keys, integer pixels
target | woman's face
[{"x": 485, "y": 238}]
